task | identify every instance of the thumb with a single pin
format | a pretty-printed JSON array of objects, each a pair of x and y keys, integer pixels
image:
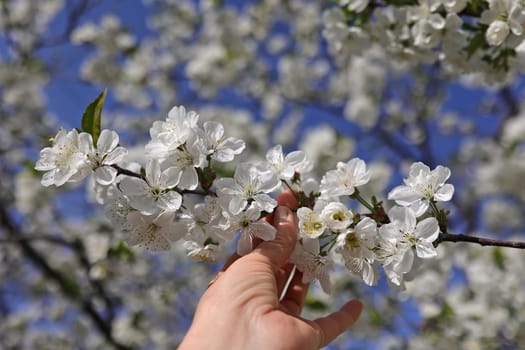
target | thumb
[{"x": 277, "y": 251}]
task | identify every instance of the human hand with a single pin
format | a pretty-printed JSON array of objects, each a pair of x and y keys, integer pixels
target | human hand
[{"x": 241, "y": 309}]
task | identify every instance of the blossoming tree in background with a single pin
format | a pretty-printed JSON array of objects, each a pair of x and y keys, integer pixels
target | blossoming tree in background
[{"x": 397, "y": 126}]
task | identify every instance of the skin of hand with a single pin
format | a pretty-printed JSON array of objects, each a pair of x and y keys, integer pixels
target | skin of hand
[{"x": 241, "y": 309}]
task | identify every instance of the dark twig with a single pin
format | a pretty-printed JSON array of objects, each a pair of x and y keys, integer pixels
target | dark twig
[{"x": 447, "y": 237}]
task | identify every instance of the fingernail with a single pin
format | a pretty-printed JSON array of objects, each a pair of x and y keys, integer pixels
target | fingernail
[{"x": 282, "y": 214}]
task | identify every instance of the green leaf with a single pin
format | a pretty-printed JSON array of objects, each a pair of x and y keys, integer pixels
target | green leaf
[
  {"x": 315, "y": 304},
  {"x": 477, "y": 42},
  {"x": 498, "y": 257},
  {"x": 92, "y": 117},
  {"x": 121, "y": 252}
]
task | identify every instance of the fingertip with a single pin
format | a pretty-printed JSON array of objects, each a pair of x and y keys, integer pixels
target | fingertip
[
  {"x": 354, "y": 308},
  {"x": 331, "y": 326},
  {"x": 287, "y": 198},
  {"x": 279, "y": 249}
]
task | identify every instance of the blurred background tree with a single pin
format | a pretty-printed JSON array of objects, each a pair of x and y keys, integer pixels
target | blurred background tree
[{"x": 389, "y": 81}]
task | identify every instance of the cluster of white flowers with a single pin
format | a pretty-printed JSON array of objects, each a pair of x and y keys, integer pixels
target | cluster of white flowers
[
  {"x": 464, "y": 36},
  {"x": 179, "y": 193}
]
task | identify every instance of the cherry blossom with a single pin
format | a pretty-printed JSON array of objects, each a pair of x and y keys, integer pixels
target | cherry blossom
[
  {"x": 251, "y": 227},
  {"x": 310, "y": 223},
  {"x": 285, "y": 166},
  {"x": 314, "y": 266},
  {"x": 66, "y": 160},
  {"x": 356, "y": 247},
  {"x": 153, "y": 232},
  {"x": 107, "y": 153},
  {"x": 220, "y": 148},
  {"x": 423, "y": 186},
  {"x": 155, "y": 192},
  {"x": 249, "y": 185},
  {"x": 345, "y": 179}
]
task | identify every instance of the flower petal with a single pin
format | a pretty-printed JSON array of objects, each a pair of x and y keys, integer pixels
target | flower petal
[
  {"x": 445, "y": 193},
  {"x": 427, "y": 230},
  {"x": 105, "y": 175},
  {"x": 425, "y": 250},
  {"x": 244, "y": 246}
]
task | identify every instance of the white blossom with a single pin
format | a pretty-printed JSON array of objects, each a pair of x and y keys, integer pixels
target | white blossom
[
  {"x": 191, "y": 156},
  {"x": 284, "y": 166},
  {"x": 66, "y": 160},
  {"x": 251, "y": 227},
  {"x": 168, "y": 135},
  {"x": 310, "y": 223},
  {"x": 345, "y": 179},
  {"x": 336, "y": 216},
  {"x": 422, "y": 186},
  {"x": 249, "y": 185},
  {"x": 314, "y": 266},
  {"x": 106, "y": 153},
  {"x": 155, "y": 192},
  {"x": 220, "y": 148},
  {"x": 355, "y": 245},
  {"x": 153, "y": 232},
  {"x": 497, "y": 33}
]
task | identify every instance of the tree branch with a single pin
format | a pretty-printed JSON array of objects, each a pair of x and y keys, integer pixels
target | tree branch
[
  {"x": 67, "y": 285},
  {"x": 447, "y": 237}
]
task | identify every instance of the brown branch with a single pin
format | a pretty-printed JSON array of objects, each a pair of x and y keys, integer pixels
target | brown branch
[
  {"x": 455, "y": 238},
  {"x": 122, "y": 171},
  {"x": 67, "y": 285}
]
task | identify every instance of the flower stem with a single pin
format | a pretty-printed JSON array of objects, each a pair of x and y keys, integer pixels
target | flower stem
[
  {"x": 435, "y": 209},
  {"x": 363, "y": 201}
]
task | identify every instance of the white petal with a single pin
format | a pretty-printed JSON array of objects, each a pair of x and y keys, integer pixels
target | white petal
[
  {"x": 369, "y": 276},
  {"x": 105, "y": 175},
  {"x": 213, "y": 130},
  {"x": 156, "y": 243},
  {"x": 263, "y": 230},
  {"x": 403, "y": 195},
  {"x": 436, "y": 21},
  {"x": 170, "y": 201},
  {"x": 445, "y": 193},
  {"x": 418, "y": 168},
  {"x": 404, "y": 265},
  {"x": 419, "y": 207},
  {"x": 236, "y": 205},
  {"x": 311, "y": 245},
  {"x": 403, "y": 217},
  {"x": 189, "y": 179},
  {"x": 425, "y": 250},
  {"x": 427, "y": 230},
  {"x": 441, "y": 174},
  {"x": 295, "y": 158},
  {"x": 132, "y": 186},
  {"x": 170, "y": 177},
  {"x": 48, "y": 179},
  {"x": 153, "y": 172},
  {"x": 275, "y": 155},
  {"x": 265, "y": 202},
  {"x": 117, "y": 155},
  {"x": 244, "y": 246},
  {"x": 107, "y": 141},
  {"x": 46, "y": 160}
]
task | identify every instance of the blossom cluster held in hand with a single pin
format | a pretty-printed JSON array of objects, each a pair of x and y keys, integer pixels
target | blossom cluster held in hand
[{"x": 183, "y": 192}]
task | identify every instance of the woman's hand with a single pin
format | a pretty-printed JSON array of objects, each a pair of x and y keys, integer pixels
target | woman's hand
[{"x": 241, "y": 308}]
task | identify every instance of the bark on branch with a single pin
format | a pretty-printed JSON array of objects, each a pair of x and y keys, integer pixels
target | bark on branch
[{"x": 447, "y": 237}]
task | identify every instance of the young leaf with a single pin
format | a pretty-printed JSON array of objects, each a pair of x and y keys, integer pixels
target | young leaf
[{"x": 92, "y": 117}]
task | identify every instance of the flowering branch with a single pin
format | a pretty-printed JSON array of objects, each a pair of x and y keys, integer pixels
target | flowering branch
[
  {"x": 447, "y": 237},
  {"x": 151, "y": 207}
]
